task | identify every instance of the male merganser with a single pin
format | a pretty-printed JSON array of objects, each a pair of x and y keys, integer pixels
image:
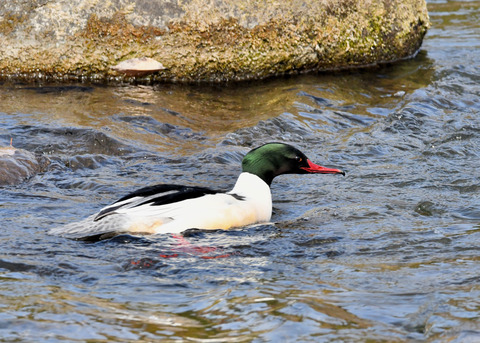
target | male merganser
[{"x": 176, "y": 208}]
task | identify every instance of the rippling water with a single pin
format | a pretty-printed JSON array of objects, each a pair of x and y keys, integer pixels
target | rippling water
[{"x": 388, "y": 253}]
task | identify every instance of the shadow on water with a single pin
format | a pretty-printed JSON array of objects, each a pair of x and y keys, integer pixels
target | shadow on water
[{"x": 387, "y": 253}]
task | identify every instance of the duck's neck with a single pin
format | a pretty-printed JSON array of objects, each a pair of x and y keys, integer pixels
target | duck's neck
[
  {"x": 254, "y": 193},
  {"x": 251, "y": 186}
]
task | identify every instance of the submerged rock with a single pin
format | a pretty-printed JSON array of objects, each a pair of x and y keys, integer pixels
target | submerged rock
[
  {"x": 202, "y": 40},
  {"x": 17, "y": 165}
]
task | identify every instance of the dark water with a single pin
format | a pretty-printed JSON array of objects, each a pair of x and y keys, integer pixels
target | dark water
[{"x": 388, "y": 253}]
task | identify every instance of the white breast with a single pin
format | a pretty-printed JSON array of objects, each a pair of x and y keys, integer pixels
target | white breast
[{"x": 257, "y": 193}]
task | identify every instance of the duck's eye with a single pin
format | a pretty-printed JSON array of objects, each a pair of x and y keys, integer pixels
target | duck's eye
[{"x": 298, "y": 159}]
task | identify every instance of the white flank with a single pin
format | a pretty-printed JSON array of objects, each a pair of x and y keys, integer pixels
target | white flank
[{"x": 249, "y": 202}]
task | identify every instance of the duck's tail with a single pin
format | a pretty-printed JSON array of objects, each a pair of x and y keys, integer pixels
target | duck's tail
[{"x": 90, "y": 229}]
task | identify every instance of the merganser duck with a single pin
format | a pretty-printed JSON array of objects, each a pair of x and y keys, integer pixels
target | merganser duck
[{"x": 174, "y": 208}]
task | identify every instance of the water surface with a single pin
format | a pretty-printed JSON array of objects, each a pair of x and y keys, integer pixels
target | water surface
[{"x": 388, "y": 253}]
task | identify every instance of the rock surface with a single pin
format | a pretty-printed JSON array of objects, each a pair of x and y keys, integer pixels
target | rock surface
[{"x": 203, "y": 40}]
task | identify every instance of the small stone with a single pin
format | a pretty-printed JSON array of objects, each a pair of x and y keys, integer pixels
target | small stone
[{"x": 139, "y": 66}]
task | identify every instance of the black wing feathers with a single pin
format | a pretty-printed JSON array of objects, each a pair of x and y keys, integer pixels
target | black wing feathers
[
  {"x": 160, "y": 189},
  {"x": 155, "y": 196},
  {"x": 181, "y": 193}
]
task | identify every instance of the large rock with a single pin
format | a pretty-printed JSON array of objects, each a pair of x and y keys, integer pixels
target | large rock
[{"x": 197, "y": 40}]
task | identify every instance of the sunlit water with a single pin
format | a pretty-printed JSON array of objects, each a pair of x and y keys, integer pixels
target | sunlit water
[{"x": 388, "y": 253}]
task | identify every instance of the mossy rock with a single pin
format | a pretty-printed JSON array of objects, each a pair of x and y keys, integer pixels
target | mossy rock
[{"x": 200, "y": 40}]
